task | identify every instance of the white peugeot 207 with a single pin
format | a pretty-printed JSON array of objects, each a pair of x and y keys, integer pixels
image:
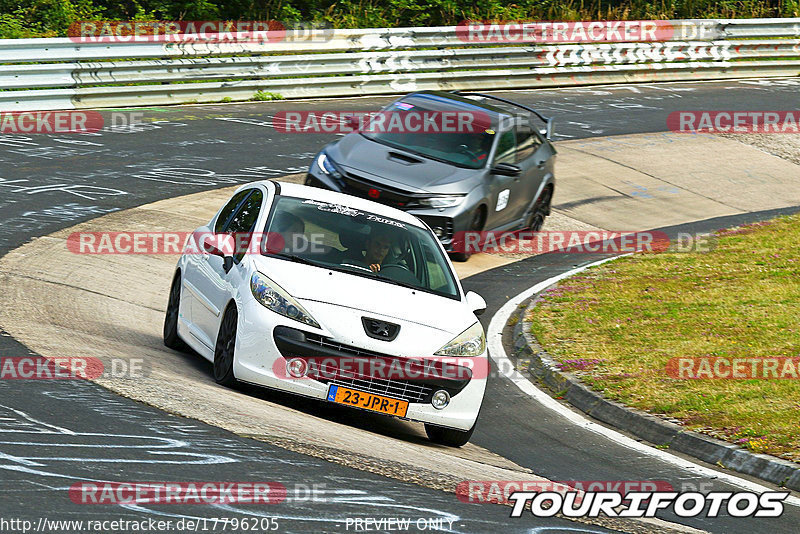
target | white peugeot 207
[{"x": 334, "y": 297}]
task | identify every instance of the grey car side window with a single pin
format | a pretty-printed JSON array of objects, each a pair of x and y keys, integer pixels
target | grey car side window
[
  {"x": 527, "y": 142},
  {"x": 506, "y": 148}
]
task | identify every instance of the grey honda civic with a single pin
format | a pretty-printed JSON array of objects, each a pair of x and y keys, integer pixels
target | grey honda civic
[{"x": 492, "y": 171}]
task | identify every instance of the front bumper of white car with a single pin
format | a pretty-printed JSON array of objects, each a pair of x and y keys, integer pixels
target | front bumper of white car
[{"x": 268, "y": 341}]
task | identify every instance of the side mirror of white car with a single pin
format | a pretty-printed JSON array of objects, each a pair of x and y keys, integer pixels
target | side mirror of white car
[
  {"x": 476, "y": 303},
  {"x": 221, "y": 245}
]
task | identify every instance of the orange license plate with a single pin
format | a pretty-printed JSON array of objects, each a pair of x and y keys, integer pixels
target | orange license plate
[{"x": 367, "y": 401}]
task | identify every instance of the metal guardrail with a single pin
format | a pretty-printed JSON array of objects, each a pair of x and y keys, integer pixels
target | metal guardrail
[{"x": 377, "y": 61}]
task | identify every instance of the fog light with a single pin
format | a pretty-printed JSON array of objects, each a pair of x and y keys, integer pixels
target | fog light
[
  {"x": 296, "y": 367},
  {"x": 440, "y": 399},
  {"x": 439, "y": 231}
]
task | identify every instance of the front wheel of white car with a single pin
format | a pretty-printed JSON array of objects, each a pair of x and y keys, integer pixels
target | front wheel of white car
[
  {"x": 171, "y": 338},
  {"x": 448, "y": 436},
  {"x": 224, "y": 350}
]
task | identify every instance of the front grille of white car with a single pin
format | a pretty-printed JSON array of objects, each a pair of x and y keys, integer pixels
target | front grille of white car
[{"x": 407, "y": 390}]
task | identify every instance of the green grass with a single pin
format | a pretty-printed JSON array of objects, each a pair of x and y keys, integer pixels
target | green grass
[
  {"x": 618, "y": 324},
  {"x": 266, "y": 96}
]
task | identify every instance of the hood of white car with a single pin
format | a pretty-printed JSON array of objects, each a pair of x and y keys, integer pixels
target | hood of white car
[{"x": 311, "y": 285}]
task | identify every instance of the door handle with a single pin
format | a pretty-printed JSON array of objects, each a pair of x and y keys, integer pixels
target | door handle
[{"x": 540, "y": 165}]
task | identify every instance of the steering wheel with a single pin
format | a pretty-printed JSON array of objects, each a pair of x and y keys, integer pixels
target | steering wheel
[
  {"x": 464, "y": 149},
  {"x": 403, "y": 273},
  {"x": 396, "y": 266}
]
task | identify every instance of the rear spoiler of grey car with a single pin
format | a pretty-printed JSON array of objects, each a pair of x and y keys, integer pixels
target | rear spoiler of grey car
[{"x": 547, "y": 132}]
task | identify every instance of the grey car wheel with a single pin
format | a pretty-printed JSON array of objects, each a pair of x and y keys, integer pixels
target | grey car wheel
[
  {"x": 540, "y": 211},
  {"x": 475, "y": 225}
]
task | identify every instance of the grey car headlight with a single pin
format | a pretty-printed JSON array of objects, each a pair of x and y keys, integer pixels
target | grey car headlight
[
  {"x": 274, "y": 297},
  {"x": 470, "y": 342},
  {"x": 326, "y": 165},
  {"x": 450, "y": 201}
]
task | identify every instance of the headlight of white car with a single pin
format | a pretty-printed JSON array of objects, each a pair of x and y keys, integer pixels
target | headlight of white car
[
  {"x": 470, "y": 342},
  {"x": 274, "y": 297}
]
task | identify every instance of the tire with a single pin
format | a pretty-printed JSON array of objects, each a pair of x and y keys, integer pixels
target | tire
[
  {"x": 475, "y": 225},
  {"x": 540, "y": 211},
  {"x": 171, "y": 338},
  {"x": 448, "y": 436},
  {"x": 225, "y": 348}
]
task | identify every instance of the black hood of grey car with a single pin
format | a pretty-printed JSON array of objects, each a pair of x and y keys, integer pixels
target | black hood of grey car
[{"x": 393, "y": 167}]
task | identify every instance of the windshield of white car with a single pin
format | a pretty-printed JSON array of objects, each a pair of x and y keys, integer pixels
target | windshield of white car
[
  {"x": 464, "y": 144},
  {"x": 357, "y": 242}
]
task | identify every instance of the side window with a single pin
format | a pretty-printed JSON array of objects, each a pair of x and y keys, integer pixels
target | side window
[
  {"x": 506, "y": 148},
  {"x": 437, "y": 279},
  {"x": 227, "y": 211},
  {"x": 527, "y": 141},
  {"x": 244, "y": 220}
]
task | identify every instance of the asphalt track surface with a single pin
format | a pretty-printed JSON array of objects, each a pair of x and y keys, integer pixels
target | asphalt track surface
[{"x": 54, "y": 433}]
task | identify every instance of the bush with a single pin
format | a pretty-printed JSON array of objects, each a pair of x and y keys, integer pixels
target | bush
[{"x": 48, "y": 18}]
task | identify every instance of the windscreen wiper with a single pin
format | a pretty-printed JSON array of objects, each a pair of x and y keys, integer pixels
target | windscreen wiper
[
  {"x": 296, "y": 258},
  {"x": 368, "y": 273},
  {"x": 396, "y": 282}
]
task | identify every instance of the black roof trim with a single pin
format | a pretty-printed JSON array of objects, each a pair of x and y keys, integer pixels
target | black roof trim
[{"x": 510, "y": 102}]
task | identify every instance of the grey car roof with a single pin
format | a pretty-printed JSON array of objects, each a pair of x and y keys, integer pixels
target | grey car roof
[{"x": 495, "y": 108}]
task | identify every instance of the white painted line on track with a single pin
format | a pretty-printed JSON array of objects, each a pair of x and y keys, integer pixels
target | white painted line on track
[{"x": 498, "y": 354}]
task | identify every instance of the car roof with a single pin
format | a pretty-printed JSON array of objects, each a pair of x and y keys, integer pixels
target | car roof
[
  {"x": 495, "y": 107},
  {"x": 326, "y": 195}
]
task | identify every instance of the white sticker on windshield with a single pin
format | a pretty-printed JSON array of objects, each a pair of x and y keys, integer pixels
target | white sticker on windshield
[
  {"x": 334, "y": 208},
  {"x": 502, "y": 200},
  {"x": 375, "y": 218}
]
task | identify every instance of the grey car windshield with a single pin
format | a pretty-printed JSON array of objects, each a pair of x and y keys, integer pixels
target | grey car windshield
[
  {"x": 463, "y": 143},
  {"x": 345, "y": 239}
]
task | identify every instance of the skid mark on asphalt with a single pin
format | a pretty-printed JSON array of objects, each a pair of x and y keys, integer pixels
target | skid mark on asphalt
[{"x": 41, "y": 452}]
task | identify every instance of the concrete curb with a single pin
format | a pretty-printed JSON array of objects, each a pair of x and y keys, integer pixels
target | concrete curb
[{"x": 657, "y": 431}]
